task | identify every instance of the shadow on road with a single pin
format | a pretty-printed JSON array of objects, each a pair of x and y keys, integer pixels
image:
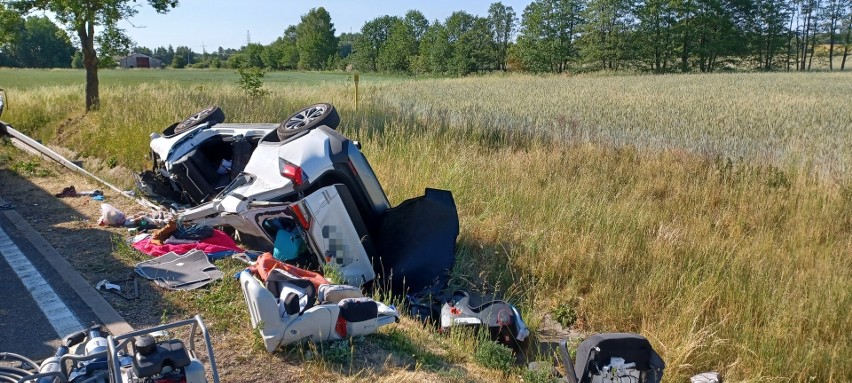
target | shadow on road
[{"x": 70, "y": 226}]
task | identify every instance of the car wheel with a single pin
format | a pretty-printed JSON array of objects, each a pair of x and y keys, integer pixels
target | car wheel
[
  {"x": 308, "y": 118},
  {"x": 209, "y": 114}
]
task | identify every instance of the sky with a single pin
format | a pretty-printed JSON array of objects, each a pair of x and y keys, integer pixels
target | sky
[{"x": 209, "y": 24}]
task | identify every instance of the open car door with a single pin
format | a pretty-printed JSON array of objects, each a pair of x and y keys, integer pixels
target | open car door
[{"x": 410, "y": 251}]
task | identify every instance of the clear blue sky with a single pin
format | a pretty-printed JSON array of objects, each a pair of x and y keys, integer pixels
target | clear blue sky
[{"x": 215, "y": 23}]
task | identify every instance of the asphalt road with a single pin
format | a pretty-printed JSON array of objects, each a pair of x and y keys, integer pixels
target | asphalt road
[{"x": 24, "y": 328}]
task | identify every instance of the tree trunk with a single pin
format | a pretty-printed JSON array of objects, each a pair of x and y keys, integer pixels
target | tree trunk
[
  {"x": 789, "y": 39},
  {"x": 702, "y": 50},
  {"x": 813, "y": 49},
  {"x": 684, "y": 54},
  {"x": 657, "y": 40},
  {"x": 833, "y": 25},
  {"x": 798, "y": 45},
  {"x": 806, "y": 31},
  {"x": 846, "y": 43},
  {"x": 86, "y": 32}
]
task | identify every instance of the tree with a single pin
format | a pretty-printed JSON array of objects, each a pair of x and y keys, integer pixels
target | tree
[
  {"x": 290, "y": 52},
  {"x": 848, "y": 40},
  {"x": 435, "y": 50},
  {"x": 418, "y": 24},
  {"x": 111, "y": 43},
  {"x": 370, "y": 42},
  {"x": 77, "y": 60},
  {"x": 605, "y": 34},
  {"x": 479, "y": 47},
  {"x": 165, "y": 55},
  {"x": 182, "y": 58},
  {"x": 502, "y": 22},
  {"x": 345, "y": 44},
  {"x": 272, "y": 54},
  {"x": 81, "y": 16},
  {"x": 10, "y": 25},
  {"x": 315, "y": 39},
  {"x": 143, "y": 50},
  {"x": 762, "y": 29},
  {"x": 398, "y": 49},
  {"x": 253, "y": 54},
  {"x": 808, "y": 14},
  {"x": 834, "y": 15},
  {"x": 458, "y": 24},
  {"x": 549, "y": 31},
  {"x": 41, "y": 44},
  {"x": 656, "y": 33}
]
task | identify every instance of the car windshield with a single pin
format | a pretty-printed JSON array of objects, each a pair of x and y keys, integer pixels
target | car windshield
[{"x": 240, "y": 180}]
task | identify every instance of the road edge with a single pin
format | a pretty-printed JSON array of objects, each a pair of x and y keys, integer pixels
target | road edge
[{"x": 110, "y": 318}]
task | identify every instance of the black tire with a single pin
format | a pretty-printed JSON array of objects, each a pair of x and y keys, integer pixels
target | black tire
[
  {"x": 209, "y": 114},
  {"x": 308, "y": 118}
]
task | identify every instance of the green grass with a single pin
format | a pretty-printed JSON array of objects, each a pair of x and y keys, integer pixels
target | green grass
[{"x": 711, "y": 213}]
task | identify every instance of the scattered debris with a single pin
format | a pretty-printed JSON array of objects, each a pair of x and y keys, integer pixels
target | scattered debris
[
  {"x": 69, "y": 191},
  {"x": 180, "y": 272},
  {"x": 706, "y": 377},
  {"x": 110, "y": 216},
  {"x": 219, "y": 245},
  {"x": 106, "y": 285},
  {"x": 160, "y": 235},
  {"x": 148, "y": 220}
]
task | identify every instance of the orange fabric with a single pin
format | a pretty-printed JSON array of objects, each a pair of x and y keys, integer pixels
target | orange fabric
[{"x": 266, "y": 263}]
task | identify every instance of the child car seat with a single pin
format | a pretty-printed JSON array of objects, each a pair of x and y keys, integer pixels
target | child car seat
[
  {"x": 614, "y": 357},
  {"x": 502, "y": 319}
]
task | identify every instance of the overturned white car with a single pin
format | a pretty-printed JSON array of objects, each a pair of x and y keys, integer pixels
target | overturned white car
[{"x": 303, "y": 188}]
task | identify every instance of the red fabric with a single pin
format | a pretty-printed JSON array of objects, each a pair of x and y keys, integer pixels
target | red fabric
[
  {"x": 216, "y": 243},
  {"x": 266, "y": 263}
]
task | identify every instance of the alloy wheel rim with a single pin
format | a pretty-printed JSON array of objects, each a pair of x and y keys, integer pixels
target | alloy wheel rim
[{"x": 304, "y": 117}]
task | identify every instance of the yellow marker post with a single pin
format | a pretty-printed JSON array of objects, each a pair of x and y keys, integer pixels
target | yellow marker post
[{"x": 356, "y": 77}]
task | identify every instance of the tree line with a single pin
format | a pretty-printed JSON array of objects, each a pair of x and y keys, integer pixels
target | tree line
[
  {"x": 588, "y": 35},
  {"x": 548, "y": 36}
]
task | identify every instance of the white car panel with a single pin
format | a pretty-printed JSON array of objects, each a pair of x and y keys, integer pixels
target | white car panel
[{"x": 334, "y": 234}]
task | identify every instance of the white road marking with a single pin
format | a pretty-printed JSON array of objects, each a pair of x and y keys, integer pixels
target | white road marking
[{"x": 59, "y": 316}]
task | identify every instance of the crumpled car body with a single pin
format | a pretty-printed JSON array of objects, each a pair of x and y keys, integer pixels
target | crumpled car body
[{"x": 315, "y": 182}]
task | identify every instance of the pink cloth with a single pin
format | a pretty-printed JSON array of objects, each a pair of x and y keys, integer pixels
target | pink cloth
[{"x": 217, "y": 243}]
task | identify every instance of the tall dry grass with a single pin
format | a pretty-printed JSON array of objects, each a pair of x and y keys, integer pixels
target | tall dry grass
[{"x": 711, "y": 213}]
